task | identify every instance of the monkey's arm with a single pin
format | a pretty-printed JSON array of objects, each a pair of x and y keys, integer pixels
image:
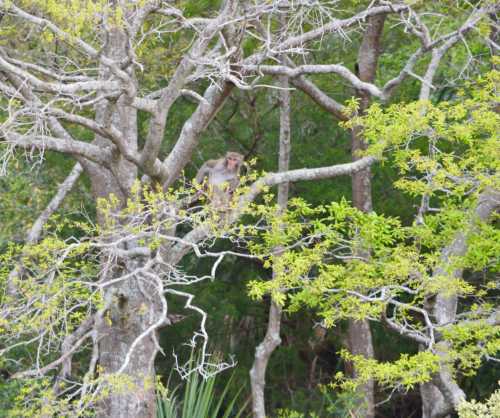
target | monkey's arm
[
  {"x": 234, "y": 183},
  {"x": 205, "y": 170}
]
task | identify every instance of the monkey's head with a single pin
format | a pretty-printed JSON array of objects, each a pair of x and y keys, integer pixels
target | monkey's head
[{"x": 233, "y": 160}]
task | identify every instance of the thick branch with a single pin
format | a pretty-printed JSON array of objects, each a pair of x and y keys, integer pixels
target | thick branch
[
  {"x": 445, "y": 306},
  {"x": 271, "y": 179},
  {"x": 110, "y": 132},
  {"x": 45, "y": 142},
  {"x": 318, "y": 69},
  {"x": 170, "y": 94},
  {"x": 192, "y": 129},
  {"x": 59, "y": 88},
  {"x": 320, "y": 97},
  {"x": 272, "y": 338}
]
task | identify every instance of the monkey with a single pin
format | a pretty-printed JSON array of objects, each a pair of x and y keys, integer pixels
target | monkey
[
  {"x": 222, "y": 177},
  {"x": 222, "y": 170}
]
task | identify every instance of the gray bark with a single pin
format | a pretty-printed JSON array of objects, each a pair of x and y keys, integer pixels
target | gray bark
[
  {"x": 263, "y": 353},
  {"x": 127, "y": 334},
  {"x": 368, "y": 54},
  {"x": 272, "y": 338},
  {"x": 442, "y": 395},
  {"x": 123, "y": 324},
  {"x": 116, "y": 335},
  {"x": 359, "y": 339}
]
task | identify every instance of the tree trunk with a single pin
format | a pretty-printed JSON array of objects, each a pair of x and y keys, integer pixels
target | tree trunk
[
  {"x": 429, "y": 391},
  {"x": 262, "y": 355},
  {"x": 133, "y": 391},
  {"x": 272, "y": 339},
  {"x": 368, "y": 55},
  {"x": 359, "y": 338},
  {"x": 359, "y": 341},
  {"x": 442, "y": 396},
  {"x": 126, "y": 350}
]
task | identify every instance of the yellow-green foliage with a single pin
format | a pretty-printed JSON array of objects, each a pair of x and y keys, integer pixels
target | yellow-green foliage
[
  {"x": 53, "y": 282},
  {"x": 347, "y": 264},
  {"x": 76, "y": 17},
  {"x": 489, "y": 409},
  {"x": 149, "y": 213},
  {"x": 406, "y": 372},
  {"x": 470, "y": 124},
  {"x": 286, "y": 413},
  {"x": 470, "y": 342}
]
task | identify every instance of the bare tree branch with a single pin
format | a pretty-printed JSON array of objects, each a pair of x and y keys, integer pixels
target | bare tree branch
[
  {"x": 179, "y": 156},
  {"x": 170, "y": 94},
  {"x": 318, "y": 69},
  {"x": 45, "y": 142},
  {"x": 60, "y": 88},
  {"x": 40, "y": 372},
  {"x": 64, "y": 188},
  {"x": 320, "y": 97},
  {"x": 272, "y": 338}
]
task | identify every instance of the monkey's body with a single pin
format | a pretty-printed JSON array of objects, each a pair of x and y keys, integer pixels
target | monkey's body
[{"x": 222, "y": 177}]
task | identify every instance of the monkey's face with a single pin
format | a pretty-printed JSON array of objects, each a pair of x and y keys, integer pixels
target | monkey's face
[{"x": 233, "y": 161}]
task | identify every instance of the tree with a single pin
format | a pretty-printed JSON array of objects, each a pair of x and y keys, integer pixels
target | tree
[
  {"x": 76, "y": 80},
  {"x": 431, "y": 280}
]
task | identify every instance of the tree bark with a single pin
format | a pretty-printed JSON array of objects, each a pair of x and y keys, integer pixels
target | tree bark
[
  {"x": 368, "y": 55},
  {"x": 263, "y": 353},
  {"x": 442, "y": 395},
  {"x": 134, "y": 394},
  {"x": 272, "y": 338},
  {"x": 120, "y": 334},
  {"x": 359, "y": 339}
]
